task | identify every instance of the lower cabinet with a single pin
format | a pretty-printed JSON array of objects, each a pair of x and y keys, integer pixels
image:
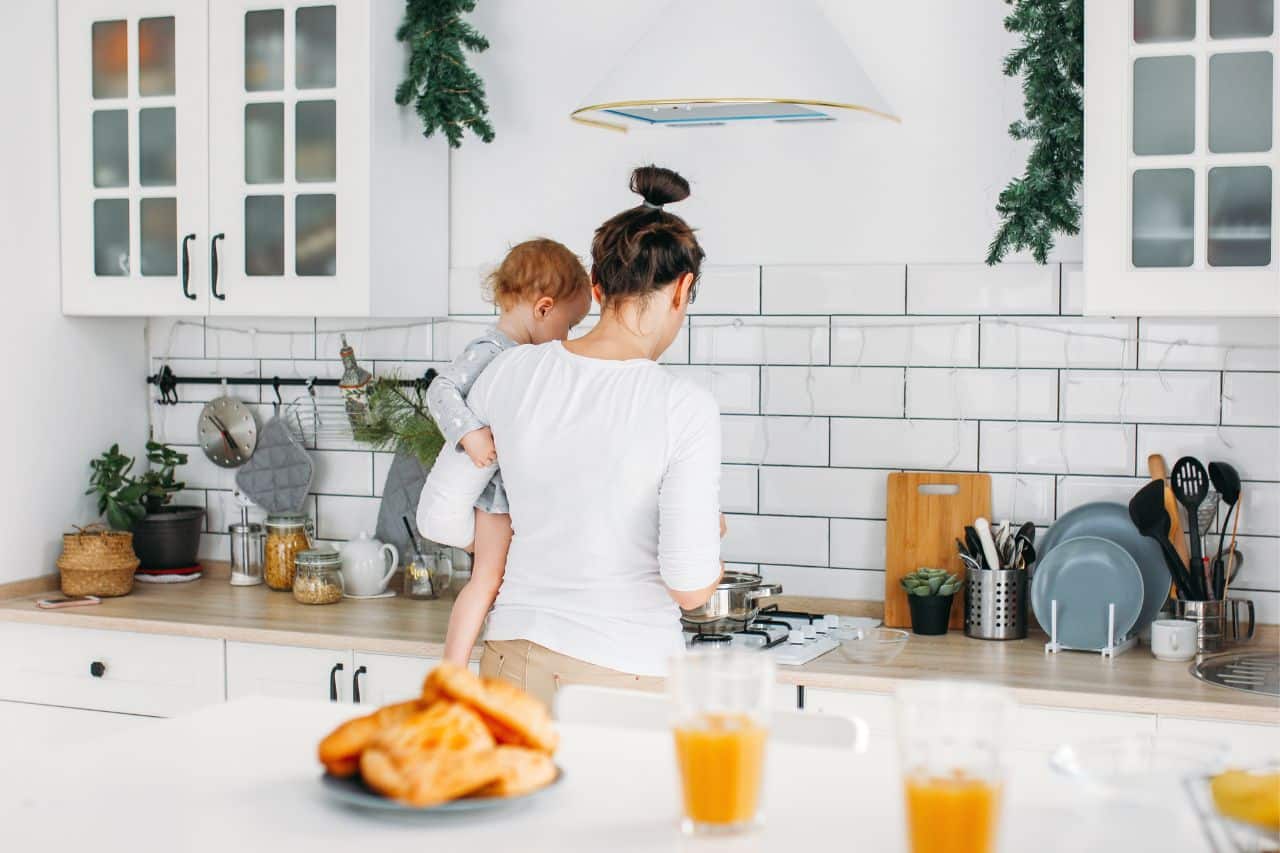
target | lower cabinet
[{"x": 27, "y": 730}]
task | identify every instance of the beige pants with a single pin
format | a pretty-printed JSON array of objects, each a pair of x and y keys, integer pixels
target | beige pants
[{"x": 542, "y": 672}]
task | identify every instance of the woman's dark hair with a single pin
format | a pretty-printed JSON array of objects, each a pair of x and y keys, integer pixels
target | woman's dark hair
[{"x": 645, "y": 248}]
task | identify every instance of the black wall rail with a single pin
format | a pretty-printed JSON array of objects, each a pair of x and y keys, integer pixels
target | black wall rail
[{"x": 167, "y": 381}]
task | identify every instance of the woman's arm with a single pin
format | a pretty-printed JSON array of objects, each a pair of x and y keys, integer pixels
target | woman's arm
[
  {"x": 689, "y": 498},
  {"x": 493, "y": 538}
]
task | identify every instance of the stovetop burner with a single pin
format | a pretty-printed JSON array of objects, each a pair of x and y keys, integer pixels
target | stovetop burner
[{"x": 710, "y": 639}]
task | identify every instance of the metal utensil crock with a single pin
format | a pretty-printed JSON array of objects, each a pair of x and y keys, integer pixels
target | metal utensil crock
[
  {"x": 995, "y": 604},
  {"x": 736, "y": 599}
]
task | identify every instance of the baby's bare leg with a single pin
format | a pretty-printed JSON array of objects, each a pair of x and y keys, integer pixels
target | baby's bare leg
[{"x": 488, "y": 563}]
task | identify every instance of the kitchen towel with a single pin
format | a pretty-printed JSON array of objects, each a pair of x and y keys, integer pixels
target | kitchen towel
[{"x": 400, "y": 495}]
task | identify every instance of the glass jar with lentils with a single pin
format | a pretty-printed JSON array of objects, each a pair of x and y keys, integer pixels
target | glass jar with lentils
[{"x": 287, "y": 535}]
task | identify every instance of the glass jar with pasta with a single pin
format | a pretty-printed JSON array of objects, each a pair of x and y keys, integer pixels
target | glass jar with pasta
[{"x": 287, "y": 535}]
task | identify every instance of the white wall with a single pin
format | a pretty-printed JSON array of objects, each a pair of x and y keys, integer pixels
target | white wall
[
  {"x": 861, "y": 192},
  {"x": 72, "y": 386}
]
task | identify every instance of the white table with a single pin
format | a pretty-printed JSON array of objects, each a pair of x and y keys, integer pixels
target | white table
[{"x": 243, "y": 777}]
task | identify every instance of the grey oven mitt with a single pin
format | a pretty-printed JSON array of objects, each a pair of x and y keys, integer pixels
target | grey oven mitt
[
  {"x": 278, "y": 475},
  {"x": 400, "y": 496}
]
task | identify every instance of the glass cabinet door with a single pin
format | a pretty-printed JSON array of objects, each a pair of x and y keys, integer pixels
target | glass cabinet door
[
  {"x": 133, "y": 167},
  {"x": 287, "y": 188}
]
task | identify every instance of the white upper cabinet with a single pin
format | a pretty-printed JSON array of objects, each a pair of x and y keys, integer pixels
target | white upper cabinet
[
  {"x": 1182, "y": 157},
  {"x": 245, "y": 158}
]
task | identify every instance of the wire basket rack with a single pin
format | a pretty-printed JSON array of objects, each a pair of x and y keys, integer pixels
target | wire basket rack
[{"x": 317, "y": 420}]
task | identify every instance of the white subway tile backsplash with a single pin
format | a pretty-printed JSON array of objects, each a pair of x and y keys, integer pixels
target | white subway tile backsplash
[
  {"x": 892, "y": 341},
  {"x": 858, "y": 544},
  {"x": 774, "y": 441},
  {"x": 1209, "y": 344},
  {"x": 826, "y": 583},
  {"x": 735, "y": 387},
  {"x": 760, "y": 340},
  {"x": 1057, "y": 448},
  {"x": 853, "y": 391},
  {"x": 385, "y": 339},
  {"x": 773, "y": 539},
  {"x": 342, "y": 472},
  {"x": 728, "y": 290},
  {"x": 260, "y": 337},
  {"x": 898, "y": 443},
  {"x": 739, "y": 488},
  {"x": 826, "y": 384},
  {"x": 1059, "y": 342},
  {"x": 1076, "y": 490},
  {"x": 871, "y": 289},
  {"x": 1254, "y": 451},
  {"x": 833, "y": 492},
  {"x": 1251, "y": 399},
  {"x": 1140, "y": 396},
  {"x": 467, "y": 291},
  {"x": 1010, "y": 288},
  {"x": 972, "y": 394},
  {"x": 342, "y": 517},
  {"x": 1023, "y": 497}
]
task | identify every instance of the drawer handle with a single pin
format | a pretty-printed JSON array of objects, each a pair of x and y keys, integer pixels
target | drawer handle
[
  {"x": 355, "y": 684},
  {"x": 97, "y": 669},
  {"x": 333, "y": 682}
]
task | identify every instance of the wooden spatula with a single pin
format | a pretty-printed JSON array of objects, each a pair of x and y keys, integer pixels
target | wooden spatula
[{"x": 1155, "y": 465}]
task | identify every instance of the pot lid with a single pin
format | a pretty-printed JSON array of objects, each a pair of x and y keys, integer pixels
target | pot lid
[
  {"x": 723, "y": 62},
  {"x": 739, "y": 580}
]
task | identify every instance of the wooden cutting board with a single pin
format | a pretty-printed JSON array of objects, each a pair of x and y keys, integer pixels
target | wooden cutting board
[{"x": 926, "y": 513}]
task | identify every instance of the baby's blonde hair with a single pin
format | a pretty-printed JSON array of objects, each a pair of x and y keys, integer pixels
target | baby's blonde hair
[{"x": 536, "y": 268}]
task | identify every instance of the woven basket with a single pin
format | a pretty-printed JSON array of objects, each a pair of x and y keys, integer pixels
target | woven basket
[{"x": 97, "y": 561}]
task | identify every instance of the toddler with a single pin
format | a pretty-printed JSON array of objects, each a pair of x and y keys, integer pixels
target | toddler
[{"x": 542, "y": 291}]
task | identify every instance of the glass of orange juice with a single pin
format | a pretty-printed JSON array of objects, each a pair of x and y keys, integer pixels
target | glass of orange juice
[
  {"x": 950, "y": 736},
  {"x": 721, "y": 701}
]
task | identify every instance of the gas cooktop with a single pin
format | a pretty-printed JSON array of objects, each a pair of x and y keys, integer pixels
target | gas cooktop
[{"x": 792, "y": 638}]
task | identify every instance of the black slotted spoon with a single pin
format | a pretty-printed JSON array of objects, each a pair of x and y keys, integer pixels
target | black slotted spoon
[{"x": 1191, "y": 487}]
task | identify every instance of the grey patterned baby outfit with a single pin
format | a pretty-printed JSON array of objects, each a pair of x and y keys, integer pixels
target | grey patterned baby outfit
[{"x": 446, "y": 400}]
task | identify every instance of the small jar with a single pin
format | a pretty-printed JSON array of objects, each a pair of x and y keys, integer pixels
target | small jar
[
  {"x": 318, "y": 577},
  {"x": 287, "y": 535}
]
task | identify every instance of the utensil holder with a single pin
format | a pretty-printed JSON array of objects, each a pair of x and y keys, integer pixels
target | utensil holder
[
  {"x": 1210, "y": 618},
  {"x": 995, "y": 604}
]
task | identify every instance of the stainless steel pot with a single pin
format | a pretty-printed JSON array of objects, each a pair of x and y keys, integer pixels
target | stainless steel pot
[{"x": 735, "y": 599}]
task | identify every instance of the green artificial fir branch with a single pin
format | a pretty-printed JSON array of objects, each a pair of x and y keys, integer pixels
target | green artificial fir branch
[
  {"x": 445, "y": 92},
  {"x": 398, "y": 421},
  {"x": 1044, "y": 201}
]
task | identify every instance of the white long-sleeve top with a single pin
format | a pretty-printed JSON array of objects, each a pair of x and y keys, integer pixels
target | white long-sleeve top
[{"x": 612, "y": 472}]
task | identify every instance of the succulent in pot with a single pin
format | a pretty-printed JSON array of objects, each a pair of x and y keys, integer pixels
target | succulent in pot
[
  {"x": 929, "y": 596},
  {"x": 164, "y": 536}
]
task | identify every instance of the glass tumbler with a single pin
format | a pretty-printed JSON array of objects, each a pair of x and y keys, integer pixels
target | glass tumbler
[
  {"x": 721, "y": 704},
  {"x": 951, "y": 739}
]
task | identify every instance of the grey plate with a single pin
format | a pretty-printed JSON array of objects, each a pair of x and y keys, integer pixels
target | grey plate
[
  {"x": 1085, "y": 574},
  {"x": 353, "y": 792},
  {"x": 1111, "y": 521}
]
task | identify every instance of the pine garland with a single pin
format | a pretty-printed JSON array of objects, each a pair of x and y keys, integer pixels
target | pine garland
[
  {"x": 446, "y": 93},
  {"x": 1044, "y": 201},
  {"x": 398, "y": 420}
]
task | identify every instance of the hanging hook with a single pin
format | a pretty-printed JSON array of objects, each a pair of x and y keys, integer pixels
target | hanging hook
[
  {"x": 275, "y": 386},
  {"x": 168, "y": 385},
  {"x": 311, "y": 386}
]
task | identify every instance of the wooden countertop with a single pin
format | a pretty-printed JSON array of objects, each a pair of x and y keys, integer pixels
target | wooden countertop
[{"x": 1134, "y": 682}]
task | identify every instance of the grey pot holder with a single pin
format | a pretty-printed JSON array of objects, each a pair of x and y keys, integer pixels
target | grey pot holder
[
  {"x": 278, "y": 475},
  {"x": 400, "y": 496}
]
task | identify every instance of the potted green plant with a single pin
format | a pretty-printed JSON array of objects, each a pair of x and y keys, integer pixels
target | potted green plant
[
  {"x": 164, "y": 536},
  {"x": 929, "y": 596}
]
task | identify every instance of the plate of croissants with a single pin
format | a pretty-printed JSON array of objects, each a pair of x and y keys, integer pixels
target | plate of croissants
[{"x": 467, "y": 743}]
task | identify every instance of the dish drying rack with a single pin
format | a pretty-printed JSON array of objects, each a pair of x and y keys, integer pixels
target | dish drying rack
[{"x": 1113, "y": 647}]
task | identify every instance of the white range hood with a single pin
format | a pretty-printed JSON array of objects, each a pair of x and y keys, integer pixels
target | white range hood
[{"x": 723, "y": 62}]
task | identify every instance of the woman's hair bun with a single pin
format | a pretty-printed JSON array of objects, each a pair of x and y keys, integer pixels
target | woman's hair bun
[{"x": 659, "y": 186}]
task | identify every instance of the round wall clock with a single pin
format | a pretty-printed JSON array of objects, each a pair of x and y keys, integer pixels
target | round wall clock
[{"x": 228, "y": 432}]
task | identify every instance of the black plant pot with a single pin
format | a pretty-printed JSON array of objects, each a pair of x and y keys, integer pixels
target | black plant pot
[
  {"x": 170, "y": 538},
  {"x": 930, "y": 613}
]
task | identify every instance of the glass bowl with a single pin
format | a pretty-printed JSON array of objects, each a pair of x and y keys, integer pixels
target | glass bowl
[
  {"x": 1233, "y": 833},
  {"x": 1138, "y": 766},
  {"x": 870, "y": 645}
]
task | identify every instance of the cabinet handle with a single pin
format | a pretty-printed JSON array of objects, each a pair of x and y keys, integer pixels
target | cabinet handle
[
  {"x": 355, "y": 684},
  {"x": 333, "y": 682},
  {"x": 186, "y": 267},
  {"x": 213, "y": 267},
  {"x": 97, "y": 669}
]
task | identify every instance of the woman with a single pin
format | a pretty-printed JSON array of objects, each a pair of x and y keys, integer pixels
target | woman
[{"x": 612, "y": 469}]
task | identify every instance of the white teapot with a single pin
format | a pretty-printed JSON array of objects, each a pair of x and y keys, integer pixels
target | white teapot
[{"x": 367, "y": 565}]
